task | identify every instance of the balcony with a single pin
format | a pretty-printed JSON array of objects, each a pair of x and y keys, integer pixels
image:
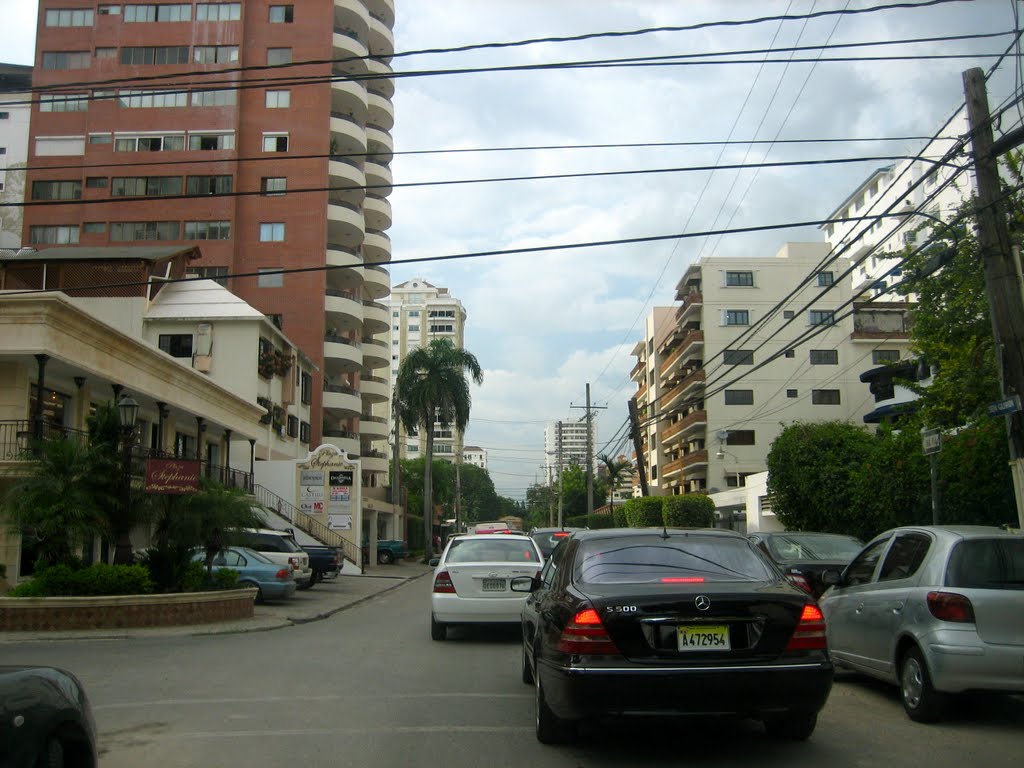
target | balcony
[
  {"x": 375, "y": 354},
  {"x": 376, "y": 281},
  {"x": 381, "y": 81},
  {"x": 376, "y": 247},
  {"x": 382, "y": 39},
  {"x": 373, "y": 427},
  {"x": 383, "y": 10},
  {"x": 373, "y": 461},
  {"x": 341, "y": 355},
  {"x": 693, "y": 462},
  {"x": 342, "y": 402},
  {"x": 349, "y": 49},
  {"x": 344, "y": 439},
  {"x": 346, "y": 268},
  {"x": 690, "y": 307},
  {"x": 379, "y": 110},
  {"x": 379, "y": 144},
  {"x": 640, "y": 367},
  {"x": 374, "y": 389},
  {"x": 692, "y": 343},
  {"x": 881, "y": 321},
  {"x": 377, "y": 211},
  {"x": 344, "y": 311},
  {"x": 693, "y": 422},
  {"x": 347, "y": 180},
  {"x": 689, "y": 387},
  {"x": 344, "y": 224},
  {"x": 378, "y": 178},
  {"x": 376, "y": 317},
  {"x": 348, "y": 137},
  {"x": 348, "y": 97}
]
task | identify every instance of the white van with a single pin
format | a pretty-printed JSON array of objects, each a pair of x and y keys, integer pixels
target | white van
[{"x": 281, "y": 548}]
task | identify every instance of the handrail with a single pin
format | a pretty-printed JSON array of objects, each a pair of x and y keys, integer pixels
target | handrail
[{"x": 308, "y": 524}]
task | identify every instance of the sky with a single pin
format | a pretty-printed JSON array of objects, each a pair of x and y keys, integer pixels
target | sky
[{"x": 544, "y": 325}]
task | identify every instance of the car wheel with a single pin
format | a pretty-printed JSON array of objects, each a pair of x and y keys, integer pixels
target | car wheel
[
  {"x": 52, "y": 755},
  {"x": 551, "y": 729},
  {"x": 923, "y": 704},
  {"x": 259, "y": 592},
  {"x": 527, "y": 671},
  {"x": 797, "y": 726},
  {"x": 385, "y": 557},
  {"x": 438, "y": 630}
]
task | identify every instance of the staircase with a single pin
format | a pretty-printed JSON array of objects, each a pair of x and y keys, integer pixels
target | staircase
[{"x": 299, "y": 519}]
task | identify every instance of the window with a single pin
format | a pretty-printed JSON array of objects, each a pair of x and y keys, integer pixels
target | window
[
  {"x": 129, "y": 231},
  {"x": 219, "y": 98},
  {"x": 66, "y": 59},
  {"x": 109, "y": 10},
  {"x": 207, "y": 230},
  {"x": 744, "y": 279},
  {"x": 5, "y": 115},
  {"x": 909, "y": 238},
  {"x": 414, "y": 327},
  {"x": 143, "y": 13},
  {"x": 992, "y": 563},
  {"x": 825, "y": 396},
  {"x": 306, "y": 388},
  {"x": 905, "y": 556},
  {"x": 218, "y": 11},
  {"x": 273, "y": 185},
  {"x": 215, "y": 54},
  {"x": 737, "y": 317},
  {"x": 293, "y": 426},
  {"x": 275, "y": 142},
  {"x": 740, "y": 437},
  {"x": 105, "y": 53},
  {"x": 824, "y": 357},
  {"x": 272, "y": 233},
  {"x": 279, "y": 56},
  {"x": 211, "y": 141},
  {"x": 860, "y": 570},
  {"x": 821, "y": 317},
  {"x": 282, "y": 14},
  {"x": 441, "y": 329},
  {"x": 825, "y": 278},
  {"x": 67, "y": 17},
  {"x": 133, "y": 99},
  {"x": 94, "y": 227},
  {"x": 149, "y": 143},
  {"x": 791, "y": 393},
  {"x": 96, "y": 182},
  {"x": 738, "y": 357},
  {"x": 208, "y": 185},
  {"x": 883, "y": 356},
  {"x": 790, "y": 353},
  {"x": 53, "y": 102},
  {"x": 56, "y": 190},
  {"x": 101, "y": 138},
  {"x": 137, "y": 186},
  {"x": 279, "y": 99},
  {"x": 414, "y": 313},
  {"x": 176, "y": 344},
  {"x": 304, "y": 432},
  {"x": 219, "y": 275},
  {"x": 270, "y": 278},
  {"x": 169, "y": 54},
  {"x": 739, "y": 397},
  {"x": 59, "y": 234}
]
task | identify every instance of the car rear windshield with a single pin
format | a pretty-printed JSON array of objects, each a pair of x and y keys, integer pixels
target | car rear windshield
[
  {"x": 987, "y": 564},
  {"x": 640, "y": 560},
  {"x": 809, "y": 547},
  {"x": 514, "y": 549}
]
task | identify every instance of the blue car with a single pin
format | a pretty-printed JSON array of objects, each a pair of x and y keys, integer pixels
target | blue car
[{"x": 273, "y": 580}]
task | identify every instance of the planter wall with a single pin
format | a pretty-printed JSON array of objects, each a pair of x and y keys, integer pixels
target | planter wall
[{"x": 38, "y": 614}]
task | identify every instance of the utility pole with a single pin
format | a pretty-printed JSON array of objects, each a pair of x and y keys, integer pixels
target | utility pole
[
  {"x": 590, "y": 450},
  {"x": 1006, "y": 305},
  {"x": 396, "y": 473},
  {"x": 558, "y": 448},
  {"x": 638, "y": 448},
  {"x": 458, "y": 491}
]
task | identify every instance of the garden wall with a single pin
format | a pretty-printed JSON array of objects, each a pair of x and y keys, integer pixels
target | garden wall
[{"x": 38, "y": 614}]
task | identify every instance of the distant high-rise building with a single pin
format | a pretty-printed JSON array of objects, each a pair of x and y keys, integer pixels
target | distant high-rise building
[
  {"x": 474, "y": 455},
  {"x": 421, "y": 312},
  {"x": 15, "y": 108},
  {"x": 565, "y": 444}
]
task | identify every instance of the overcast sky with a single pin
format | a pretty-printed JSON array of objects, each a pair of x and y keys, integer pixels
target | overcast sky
[{"x": 543, "y": 325}]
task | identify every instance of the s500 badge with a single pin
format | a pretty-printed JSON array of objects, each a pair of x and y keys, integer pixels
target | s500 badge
[{"x": 620, "y": 609}]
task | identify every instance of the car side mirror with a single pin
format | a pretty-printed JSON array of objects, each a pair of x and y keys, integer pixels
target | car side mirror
[
  {"x": 832, "y": 578},
  {"x": 434, "y": 561},
  {"x": 524, "y": 584}
]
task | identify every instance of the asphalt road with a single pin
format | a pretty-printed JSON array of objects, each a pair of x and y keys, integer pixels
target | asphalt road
[{"x": 367, "y": 687}]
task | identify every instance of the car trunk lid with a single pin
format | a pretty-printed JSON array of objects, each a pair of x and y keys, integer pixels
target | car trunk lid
[{"x": 489, "y": 579}]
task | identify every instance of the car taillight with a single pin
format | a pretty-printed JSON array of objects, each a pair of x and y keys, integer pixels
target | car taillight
[
  {"x": 586, "y": 635},
  {"x": 949, "y": 606},
  {"x": 284, "y": 573},
  {"x": 443, "y": 583},
  {"x": 797, "y": 580},
  {"x": 294, "y": 562},
  {"x": 560, "y": 535},
  {"x": 682, "y": 580},
  {"x": 809, "y": 634}
]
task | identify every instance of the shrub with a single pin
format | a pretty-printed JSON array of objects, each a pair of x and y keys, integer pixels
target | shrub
[
  {"x": 619, "y": 517},
  {"x": 95, "y": 580},
  {"x": 577, "y": 521},
  {"x": 224, "y": 578},
  {"x": 601, "y": 521},
  {"x": 193, "y": 578},
  {"x": 644, "y": 512},
  {"x": 693, "y": 510}
]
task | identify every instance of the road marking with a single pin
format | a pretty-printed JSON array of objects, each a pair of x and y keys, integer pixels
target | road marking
[
  {"x": 326, "y": 697},
  {"x": 388, "y": 729}
]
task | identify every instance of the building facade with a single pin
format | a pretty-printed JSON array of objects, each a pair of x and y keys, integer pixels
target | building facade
[
  {"x": 15, "y": 108},
  {"x": 421, "y": 312},
  {"x": 475, "y": 455},
  {"x": 267, "y": 140},
  {"x": 567, "y": 443},
  {"x": 712, "y": 396}
]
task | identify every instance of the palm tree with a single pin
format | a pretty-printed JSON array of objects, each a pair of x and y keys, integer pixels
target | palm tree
[
  {"x": 432, "y": 388},
  {"x": 616, "y": 470}
]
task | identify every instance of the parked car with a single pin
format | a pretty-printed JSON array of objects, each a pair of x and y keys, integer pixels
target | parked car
[
  {"x": 633, "y": 622},
  {"x": 273, "y": 581},
  {"x": 548, "y": 538},
  {"x": 280, "y": 547},
  {"x": 325, "y": 562},
  {"x": 472, "y": 577},
  {"x": 936, "y": 610},
  {"x": 803, "y": 555},
  {"x": 388, "y": 550},
  {"x": 45, "y": 719}
]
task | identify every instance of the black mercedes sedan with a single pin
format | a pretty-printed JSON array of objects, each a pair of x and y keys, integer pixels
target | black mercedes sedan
[
  {"x": 655, "y": 622},
  {"x": 804, "y": 556}
]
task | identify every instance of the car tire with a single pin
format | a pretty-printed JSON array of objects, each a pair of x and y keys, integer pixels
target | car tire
[
  {"x": 385, "y": 557},
  {"x": 527, "y": 670},
  {"x": 551, "y": 729},
  {"x": 795, "y": 726},
  {"x": 922, "y": 703},
  {"x": 259, "y": 592},
  {"x": 438, "y": 630},
  {"x": 52, "y": 755}
]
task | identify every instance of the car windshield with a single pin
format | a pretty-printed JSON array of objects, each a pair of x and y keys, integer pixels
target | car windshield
[
  {"x": 514, "y": 549},
  {"x": 677, "y": 559},
  {"x": 987, "y": 564},
  {"x": 252, "y": 554},
  {"x": 548, "y": 540},
  {"x": 812, "y": 547}
]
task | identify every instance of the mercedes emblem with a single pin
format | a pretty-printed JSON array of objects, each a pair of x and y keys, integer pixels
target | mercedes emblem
[{"x": 703, "y": 602}]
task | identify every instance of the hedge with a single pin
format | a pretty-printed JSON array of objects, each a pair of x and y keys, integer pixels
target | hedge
[
  {"x": 590, "y": 521},
  {"x": 692, "y": 510},
  {"x": 644, "y": 512},
  {"x": 619, "y": 516},
  {"x": 93, "y": 581}
]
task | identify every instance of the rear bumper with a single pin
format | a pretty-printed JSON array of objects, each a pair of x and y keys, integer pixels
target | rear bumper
[
  {"x": 452, "y": 609},
  {"x": 756, "y": 690},
  {"x": 960, "y": 661},
  {"x": 278, "y": 590}
]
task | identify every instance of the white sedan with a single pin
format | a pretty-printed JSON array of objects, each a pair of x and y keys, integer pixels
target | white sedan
[{"x": 471, "y": 580}]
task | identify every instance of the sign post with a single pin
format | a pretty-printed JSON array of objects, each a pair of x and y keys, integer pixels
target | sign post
[{"x": 931, "y": 444}]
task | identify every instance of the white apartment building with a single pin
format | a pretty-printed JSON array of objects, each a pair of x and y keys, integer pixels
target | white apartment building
[
  {"x": 421, "y": 312},
  {"x": 15, "y": 108},
  {"x": 565, "y": 444},
  {"x": 715, "y": 386},
  {"x": 475, "y": 455}
]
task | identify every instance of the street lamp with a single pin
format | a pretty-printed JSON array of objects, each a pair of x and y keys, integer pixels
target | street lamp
[{"x": 128, "y": 413}]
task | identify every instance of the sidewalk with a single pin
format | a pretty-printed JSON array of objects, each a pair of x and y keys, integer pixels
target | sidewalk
[{"x": 323, "y": 600}]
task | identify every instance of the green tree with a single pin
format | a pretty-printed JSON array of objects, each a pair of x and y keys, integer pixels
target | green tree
[
  {"x": 479, "y": 499},
  {"x": 615, "y": 471},
  {"x": 574, "y": 491},
  {"x": 431, "y": 387},
  {"x": 691, "y": 510},
  {"x": 541, "y": 505}
]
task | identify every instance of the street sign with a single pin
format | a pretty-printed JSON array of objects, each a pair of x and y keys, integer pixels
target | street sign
[
  {"x": 931, "y": 441},
  {"x": 1004, "y": 407}
]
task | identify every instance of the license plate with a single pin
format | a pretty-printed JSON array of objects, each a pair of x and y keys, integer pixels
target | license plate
[
  {"x": 703, "y": 637},
  {"x": 494, "y": 585}
]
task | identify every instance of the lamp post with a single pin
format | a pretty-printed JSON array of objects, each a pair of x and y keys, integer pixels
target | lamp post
[{"x": 128, "y": 413}]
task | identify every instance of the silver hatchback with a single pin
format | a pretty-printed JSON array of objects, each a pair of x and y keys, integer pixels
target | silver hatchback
[{"x": 936, "y": 610}]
